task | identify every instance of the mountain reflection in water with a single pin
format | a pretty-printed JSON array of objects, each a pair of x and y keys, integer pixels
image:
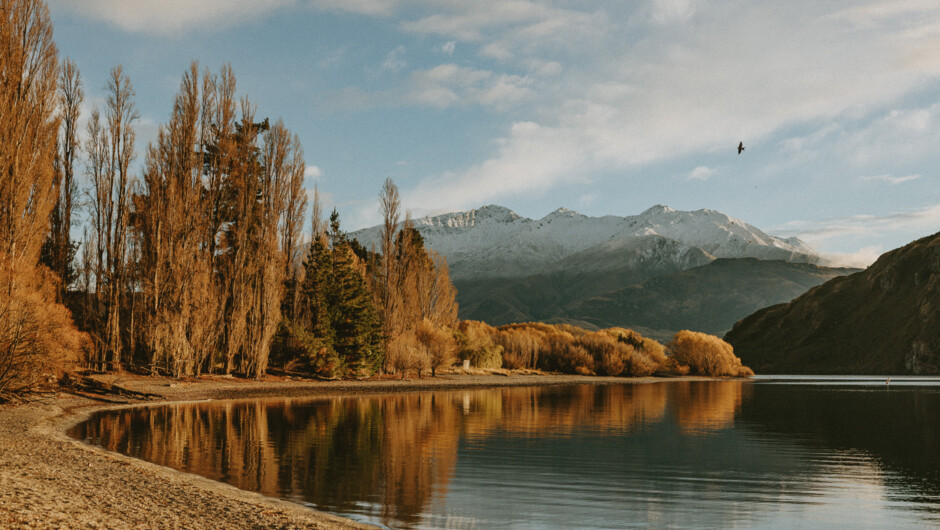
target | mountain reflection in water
[{"x": 707, "y": 453}]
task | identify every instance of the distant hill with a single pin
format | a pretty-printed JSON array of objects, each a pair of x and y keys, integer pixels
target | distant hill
[
  {"x": 710, "y": 298},
  {"x": 883, "y": 320},
  {"x": 616, "y": 271}
]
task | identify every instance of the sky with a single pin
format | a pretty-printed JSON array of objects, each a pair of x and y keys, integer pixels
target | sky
[{"x": 602, "y": 107}]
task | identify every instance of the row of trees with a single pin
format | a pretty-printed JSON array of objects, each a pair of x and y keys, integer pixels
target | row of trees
[
  {"x": 193, "y": 261},
  {"x": 359, "y": 311},
  {"x": 197, "y": 267},
  {"x": 612, "y": 352}
]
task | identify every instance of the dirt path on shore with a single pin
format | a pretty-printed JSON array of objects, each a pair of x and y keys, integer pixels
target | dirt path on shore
[{"x": 48, "y": 480}]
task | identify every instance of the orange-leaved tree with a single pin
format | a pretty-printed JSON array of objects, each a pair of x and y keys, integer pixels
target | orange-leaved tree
[{"x": 37, "y": 337}]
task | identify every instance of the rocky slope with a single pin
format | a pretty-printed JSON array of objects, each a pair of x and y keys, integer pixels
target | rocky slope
[{"x": 884, "y": 320}]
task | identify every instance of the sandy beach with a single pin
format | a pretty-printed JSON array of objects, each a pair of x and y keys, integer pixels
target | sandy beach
[{"x": 48, "y": 480}]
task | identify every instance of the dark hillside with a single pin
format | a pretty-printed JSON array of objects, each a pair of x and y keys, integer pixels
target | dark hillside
[
  {"x": 710, "y": 298},
  {"x": 883, "y": 320}
]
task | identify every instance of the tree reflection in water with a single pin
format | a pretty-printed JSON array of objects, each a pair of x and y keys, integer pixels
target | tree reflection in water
[
  {"x": 392, "y": 450},
  {"x": 659, "y": 449}
]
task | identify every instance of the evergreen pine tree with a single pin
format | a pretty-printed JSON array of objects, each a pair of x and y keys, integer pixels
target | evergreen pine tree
[
  {"x": 317, "y": 312},
  {"x": 356, "y": 325}
]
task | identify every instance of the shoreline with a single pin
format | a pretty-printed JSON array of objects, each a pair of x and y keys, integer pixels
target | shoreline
[{"x": 48, "y": 479}]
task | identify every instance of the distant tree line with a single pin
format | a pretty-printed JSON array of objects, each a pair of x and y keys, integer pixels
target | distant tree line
[{"x": 612, "y": 352}]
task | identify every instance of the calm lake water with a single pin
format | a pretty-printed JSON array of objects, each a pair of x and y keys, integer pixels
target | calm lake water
[{"x": 769, "y": 452}]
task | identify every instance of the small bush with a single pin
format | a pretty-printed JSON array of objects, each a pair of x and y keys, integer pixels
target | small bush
[
  {"x": 568, "y": 358},
  {"x": 610, "y": 363},
  {"x": 439, "y": 343},
  {"x": 706, "y": 355},
  {"x": 406, "y": 352},
  {"x": 487, "y": 357},
  {"x": 294, "y": 345},
  {"x": 38, "y": 341},
  {"x": 569, "y": 349},
  {"x": 475, "y": 342},
  {"x": 648, "y": 347}
]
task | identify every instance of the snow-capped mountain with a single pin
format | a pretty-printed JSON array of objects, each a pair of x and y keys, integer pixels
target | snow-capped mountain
[{"x": 495, "y": 242}]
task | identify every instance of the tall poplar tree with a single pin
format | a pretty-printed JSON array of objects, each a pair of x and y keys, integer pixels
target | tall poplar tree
[
  {"x": 179, "y": 313},
  {"x": 59, "y": 251},
  {"x": 110, "y": 151},
  {"x": 36, "y": 333}
]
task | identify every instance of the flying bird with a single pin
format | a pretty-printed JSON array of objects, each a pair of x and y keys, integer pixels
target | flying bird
[{"x": 740, "y": 147}]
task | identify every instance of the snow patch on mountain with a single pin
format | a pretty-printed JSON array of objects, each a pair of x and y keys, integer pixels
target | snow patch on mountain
[{"x": 494, "y": 241}]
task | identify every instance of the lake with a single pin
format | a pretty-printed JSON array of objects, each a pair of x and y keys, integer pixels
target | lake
[{"x": 766, "y": 452}]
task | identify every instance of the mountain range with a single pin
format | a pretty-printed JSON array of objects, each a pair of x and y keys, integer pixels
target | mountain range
[{"x": 659, "y": 271}]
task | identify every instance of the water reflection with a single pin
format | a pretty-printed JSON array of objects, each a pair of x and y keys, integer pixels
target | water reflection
[{"x": 719, "y": 453}]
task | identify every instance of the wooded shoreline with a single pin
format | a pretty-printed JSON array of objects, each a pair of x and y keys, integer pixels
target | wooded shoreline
[{"x": 50, "y": 480}]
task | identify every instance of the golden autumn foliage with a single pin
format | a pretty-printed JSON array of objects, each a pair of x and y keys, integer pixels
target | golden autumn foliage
[
  {"x": 37, "y": 338},
  {"x": 38, "y": 341},
  {"x": 406, "y": 353},
  {"x": 412, "y": 290},
  {"x": 439, "y": 342},
  {"x": 573, "y": 350},
  {"x": 569, "y": 349},
  {"x": 28, "y": 127},
  {"x": 706, "y": 355},
  {"x": 475, "y": 343}
]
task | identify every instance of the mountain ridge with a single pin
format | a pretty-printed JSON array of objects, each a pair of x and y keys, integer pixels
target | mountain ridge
[
  {"x": 661, "y": 270},
  {"x": 494, "y": 241}
]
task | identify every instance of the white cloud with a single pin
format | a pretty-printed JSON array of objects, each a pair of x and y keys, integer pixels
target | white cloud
[
  {"x": 587, "y": 199},
  {"x": 448, "y": 47},
  {"x": 903, "y": 133},
  {"x": 861, "y": 259},
  {"x": 892, "y": 180},
  {"x": 510, "y": 28},
  {"x": 313, "y": 173},
  {"x": 361, "y": 7},
  {"x": 169, "y": 16},
  {"x": 542, "y": 68},
  {"x": 394, "y": 60},
  {"x": 701, "y": 173},
  {"x": 902, "y": 227},
  {"x": 334, "y": 58},
  {"x": 443, "y": 86},
  {"x": 531, "y": 160},
  {"x": 739, "y": 71},
  {"x": 448, "y": 85},
  {"x": 666, "y": 11}
]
